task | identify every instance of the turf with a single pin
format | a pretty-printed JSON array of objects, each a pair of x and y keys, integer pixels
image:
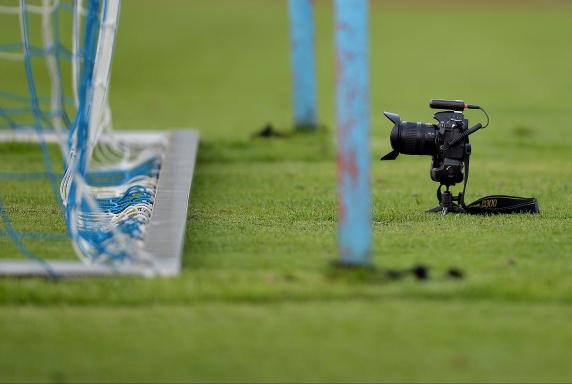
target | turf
[{"x": 257, "y": 300}]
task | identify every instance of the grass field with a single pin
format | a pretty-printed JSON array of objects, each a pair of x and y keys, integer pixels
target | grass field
[{"x": 256, "y": 300}]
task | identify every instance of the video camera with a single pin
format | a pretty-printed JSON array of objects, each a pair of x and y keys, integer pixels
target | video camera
[{"x": 448, "y": 144}]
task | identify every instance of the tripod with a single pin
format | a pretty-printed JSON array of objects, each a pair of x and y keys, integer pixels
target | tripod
[{"x": 448, "y": 202}]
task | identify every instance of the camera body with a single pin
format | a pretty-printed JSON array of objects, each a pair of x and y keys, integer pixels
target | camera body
[
  {"x": 441, "y": 141},
  {"x": 448, "y": 160}
]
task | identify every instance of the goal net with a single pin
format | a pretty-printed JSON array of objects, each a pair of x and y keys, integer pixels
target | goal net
[{"x": 57, "y": 62}]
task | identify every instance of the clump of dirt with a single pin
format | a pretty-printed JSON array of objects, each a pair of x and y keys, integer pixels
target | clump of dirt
[
  {"x": 522, "y": 131},
  {"x": 419, "y": 272},
  {"x": 455, "y": 273},
  {"x": 268, "y": 131}
]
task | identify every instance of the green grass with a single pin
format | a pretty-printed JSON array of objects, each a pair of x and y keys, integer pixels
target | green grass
[
  {"x": 256, "y": 300},
  {"x": 334, "y": 341}
]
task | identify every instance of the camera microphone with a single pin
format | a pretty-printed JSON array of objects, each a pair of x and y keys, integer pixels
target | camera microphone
[{"x": 455, "y": 105}]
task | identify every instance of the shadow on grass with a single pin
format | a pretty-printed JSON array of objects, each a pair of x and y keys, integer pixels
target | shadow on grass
[
  {"x": 269, "y": 144},
  {"x": 370, "y": 274}
]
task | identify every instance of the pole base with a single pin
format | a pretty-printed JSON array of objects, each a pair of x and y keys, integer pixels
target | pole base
[{"x": 344, "y": 264}]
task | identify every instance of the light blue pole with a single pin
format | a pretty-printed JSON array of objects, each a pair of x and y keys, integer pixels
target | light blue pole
[
  {"x": 303, "y": 63},
  {"x": 352, "y": 104}
]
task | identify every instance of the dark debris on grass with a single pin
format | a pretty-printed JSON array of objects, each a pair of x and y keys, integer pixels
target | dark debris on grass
[
  {"x": 269, "y": 131},
  {"x": 372, "y": 274}
]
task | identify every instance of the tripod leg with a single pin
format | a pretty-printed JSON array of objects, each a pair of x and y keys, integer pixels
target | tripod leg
[{"x": 447, "y": 202}]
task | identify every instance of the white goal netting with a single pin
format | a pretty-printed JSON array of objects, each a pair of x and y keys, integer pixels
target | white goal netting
[{"x": 57, "y": 57}]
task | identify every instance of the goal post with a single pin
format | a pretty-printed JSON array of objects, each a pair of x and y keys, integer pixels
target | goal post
[
  {"x": 352, "y": 105},
  {"x": 303, "y": 61},
  {"x": 353, "y": 123}
]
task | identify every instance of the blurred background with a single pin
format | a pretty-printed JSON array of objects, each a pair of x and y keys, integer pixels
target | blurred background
[{"x": 224, "y": 66}]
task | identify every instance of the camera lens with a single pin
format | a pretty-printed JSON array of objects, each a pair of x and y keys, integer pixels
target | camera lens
[{"x": 414, "y": 138}]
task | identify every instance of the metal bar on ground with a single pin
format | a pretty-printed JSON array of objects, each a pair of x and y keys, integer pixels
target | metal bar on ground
[
  {"x": 165, "y": 233},
  {"x": 353, "y": 120},
  {"x": 303, "y": 63}
]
